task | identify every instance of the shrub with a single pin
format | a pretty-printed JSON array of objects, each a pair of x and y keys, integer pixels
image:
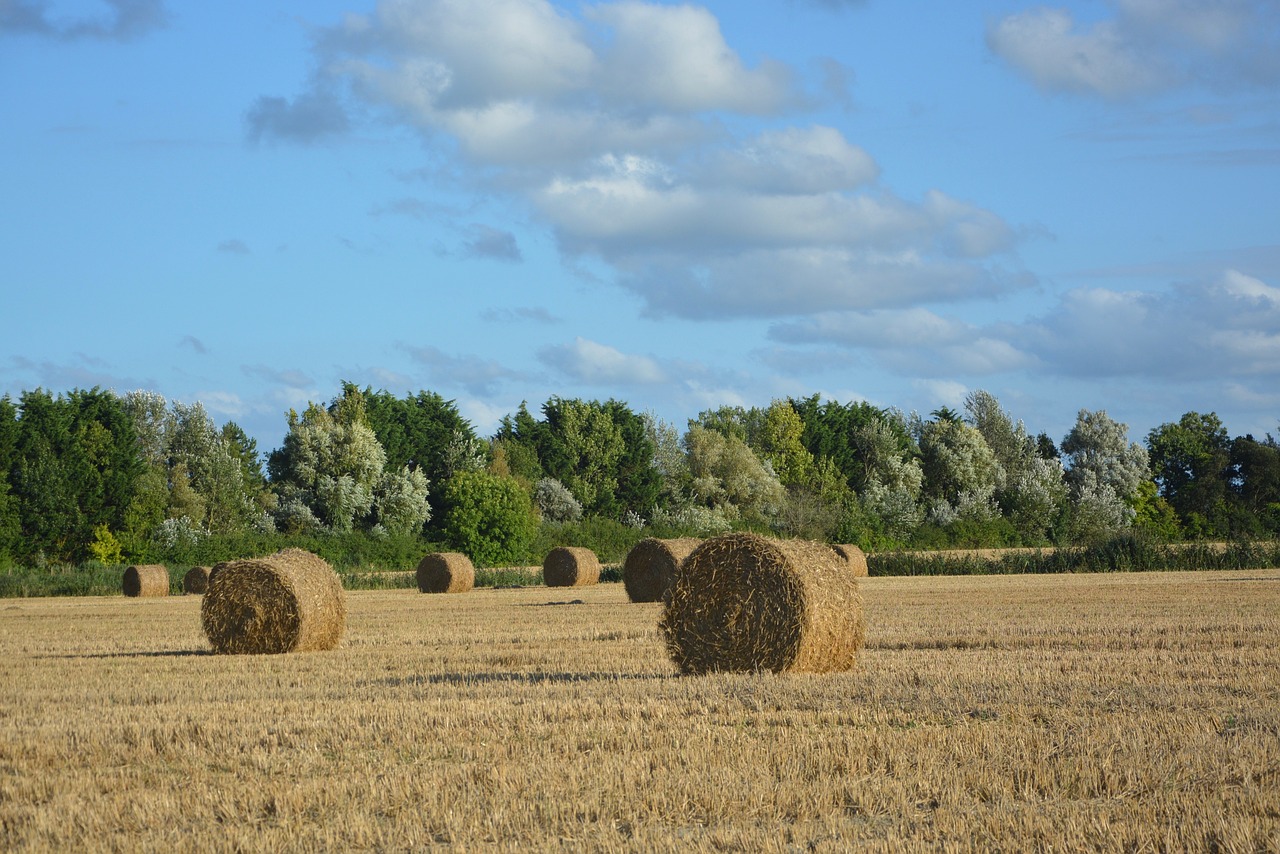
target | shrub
[{"x": 488, "y": 518}]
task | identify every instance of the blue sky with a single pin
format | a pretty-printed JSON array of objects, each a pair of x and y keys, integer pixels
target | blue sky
[{"x": 1071, "y": 205}]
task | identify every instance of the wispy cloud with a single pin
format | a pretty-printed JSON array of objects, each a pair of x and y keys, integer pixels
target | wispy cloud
[
  {"x": 128, "y": 20},
  {"x": 1144, "y": 46},
  {"x": 590, "y": 362}
]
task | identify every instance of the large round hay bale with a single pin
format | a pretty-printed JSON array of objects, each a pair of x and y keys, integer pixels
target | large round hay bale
[
  {"x": 146, "y": 580},
  {"x": 854, "y": 556},
  {"x": 290, "y": 601},
  {"x": 446, "y": 572},
  {"x": 570, "y": 566},
  {"x": 743, "y": 602},
  {"x": 651, "y": 566},
  {"x": 196, "y": 580}
]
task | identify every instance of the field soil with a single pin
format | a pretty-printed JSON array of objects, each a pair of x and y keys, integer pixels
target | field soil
[{"x": 1083, "y": 712}]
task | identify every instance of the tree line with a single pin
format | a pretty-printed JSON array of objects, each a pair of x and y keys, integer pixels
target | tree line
[{"x": 93, "y": 475}]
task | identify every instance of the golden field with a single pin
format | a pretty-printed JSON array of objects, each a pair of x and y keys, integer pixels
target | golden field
[{"x": 1053, "y": 713}]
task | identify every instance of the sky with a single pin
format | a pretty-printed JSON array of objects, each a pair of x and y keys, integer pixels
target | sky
[{"x": 1070, "y": 205}]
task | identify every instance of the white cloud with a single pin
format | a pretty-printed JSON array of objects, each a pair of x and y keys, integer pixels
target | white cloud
[
  {"x": 1229, "y": 328},
  {"x": 1045, "y": 44},
  {"x": 911, "y": 342},
  {"x": 1146, "y": 45},
  {"x": 222, "y": 404},
  {"x": 675, "y": 58},
  {"x": 794, "y": 160},
  {"x": 614, "y": 129},
  {"x": 599, "y": 364}
]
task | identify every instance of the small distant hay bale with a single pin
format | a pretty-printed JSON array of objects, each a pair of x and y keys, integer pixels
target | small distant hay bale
[
  {"x": 196, "y": 580},
  {"x": 651, "y": 566},
  {"x": 742, "y": 602},
  {"x": 570, "y": 566},
  {"x": 446, "y": 572},
  {"x": 291, "y": 601},
  {"x": 854, "y": 556},
  {"x": 146, "y": 580}
]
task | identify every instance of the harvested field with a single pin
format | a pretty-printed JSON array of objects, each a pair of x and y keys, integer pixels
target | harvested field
[{"x": 1096, "y": 712}]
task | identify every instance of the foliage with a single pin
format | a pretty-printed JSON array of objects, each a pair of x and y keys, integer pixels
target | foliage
[
  {"x": 104, "y": 547},
  {"x": 726, "y": 476},
  {"x": 424, "y": 432},
  {"x": 555, "y": 502},
  {"x": 488, "y": 518},
  {"x": 1191, "y": 461},
  {"x": 331, "y": 462},
  {"x": 400, "y": 501}
]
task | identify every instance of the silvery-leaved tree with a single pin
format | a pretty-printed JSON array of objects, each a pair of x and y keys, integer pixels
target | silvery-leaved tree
[
  {"x": 1030, "y": 488},
  {"x": 1104, "y": 473},
  {"x": 330, "y": 462}
]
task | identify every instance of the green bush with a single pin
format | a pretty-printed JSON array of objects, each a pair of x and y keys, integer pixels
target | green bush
[{"x": 488, "y": 518}]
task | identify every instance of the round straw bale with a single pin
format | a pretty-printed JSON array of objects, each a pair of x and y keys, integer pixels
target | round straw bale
[
  {"x": 651, "y": 565},
  {"x": 146, "y": 580},
  {"x": 196, "y": 580},
  {"x": 570, "y": 566},
  {"x": 743, "y": 602},
  {"x": 290, "y": 601},
  {"x": 854, "y": 556},
  {"x": 446, "y": 572}
]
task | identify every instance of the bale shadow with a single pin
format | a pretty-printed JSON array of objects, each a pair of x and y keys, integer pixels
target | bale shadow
[
  {"x": 509, "y": 677},
  {"x": 173, "y": 653}
]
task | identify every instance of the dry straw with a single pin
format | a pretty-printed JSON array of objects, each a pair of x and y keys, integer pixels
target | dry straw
[
  {"x": 570, "y": 566},
  {"x": 854, "y": 556},
  {"x": 291, "y": 601},
  {"x": 196, "y": 580},
  {"x": 743, "y": 602},
  {"x": 446, "y": 572},
  {"x": 146, "y": 580},
  {"x": 651, "y": 566}
]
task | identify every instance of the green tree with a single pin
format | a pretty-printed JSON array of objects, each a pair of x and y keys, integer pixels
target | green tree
[
  {"x": 489, "y": 518},
  {"x": 1256, "y": 480},
  {"x": 781, "y": 445},
  {"x": 76, "y": 467},
  {"x": 423, "y": 431},
  {"x": 10, "y": 518},
  {"x": 1191, "y": 460},
  {"x": 851, "y": 436},
  {"x": 727, "y": 476}
]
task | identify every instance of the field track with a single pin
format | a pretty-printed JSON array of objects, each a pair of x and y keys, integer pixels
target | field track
[{"x": 1078, "y": 712}]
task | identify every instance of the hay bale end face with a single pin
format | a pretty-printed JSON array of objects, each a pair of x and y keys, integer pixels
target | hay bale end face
[
  {"x": 854, "y": 556},
  {"x": 291, "y": 601},
  {"x": 146, "y": 580},
  {"x": 743, "y": 602},
  {"x": 446, "y": 572},
  {"x": 651, "y": 566},
  {"x": 570, "y": 566},
  {"x": 196, "y": 580}
]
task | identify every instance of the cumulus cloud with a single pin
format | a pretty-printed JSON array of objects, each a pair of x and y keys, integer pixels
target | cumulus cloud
[
  {"x": 1229, "y": 327},
  {"x": 599, "y": 364},
  {"x": 914, "y": 342},
  {"x": 613, "y": 128},
  {"x": 1144, "y": 46},
  {"x": 126, "y": 20}
]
